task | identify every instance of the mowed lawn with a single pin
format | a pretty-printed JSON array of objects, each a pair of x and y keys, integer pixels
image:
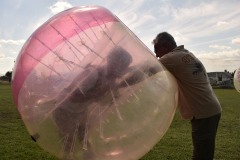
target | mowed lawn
[{"x": 16, "y": 144}]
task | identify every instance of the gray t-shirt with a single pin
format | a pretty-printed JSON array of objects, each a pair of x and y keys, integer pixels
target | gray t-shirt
[{"x": 196, "y": 97}]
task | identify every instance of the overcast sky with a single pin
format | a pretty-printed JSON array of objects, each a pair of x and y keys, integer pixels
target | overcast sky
[{"x": 208, "y": 28}]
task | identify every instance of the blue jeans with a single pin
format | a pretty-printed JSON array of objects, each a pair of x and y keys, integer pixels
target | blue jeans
[{"x": 203, "y": 137}]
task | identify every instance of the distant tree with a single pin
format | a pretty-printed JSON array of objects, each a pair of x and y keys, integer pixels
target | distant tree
[
  {"x": 4, "y": 78},
  {"x": 226, "y": 71},
  {"x": 9, "y": 75}
]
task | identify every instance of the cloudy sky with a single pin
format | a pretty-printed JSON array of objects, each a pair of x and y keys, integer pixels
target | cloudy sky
[{"x": 208, "y": 28}]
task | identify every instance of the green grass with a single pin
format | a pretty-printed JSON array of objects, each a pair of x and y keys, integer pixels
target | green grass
[
  {"x": 177, "y": 145},
  {"x": 16, "y": 144}
]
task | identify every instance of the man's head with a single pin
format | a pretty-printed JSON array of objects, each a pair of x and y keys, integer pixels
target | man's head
[
  {"x": 163, "y": 44},
  {"x": 118, "y": 61}
]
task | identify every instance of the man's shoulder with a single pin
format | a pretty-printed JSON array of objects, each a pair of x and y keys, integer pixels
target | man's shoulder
[
  {"x": 178, "y": 53},
  {"x": 178, "y": 56},
  {"x": 175, "y": 54},
  {"x": 180, "y": 49}
]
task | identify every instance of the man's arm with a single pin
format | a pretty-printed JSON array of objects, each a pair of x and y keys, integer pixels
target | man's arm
[{"x": 139, "y": 73}]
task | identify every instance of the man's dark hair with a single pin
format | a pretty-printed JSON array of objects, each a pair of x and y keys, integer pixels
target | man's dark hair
[
  {"x": 165, "y": 39},
  {"x": 118, "y": 61}
]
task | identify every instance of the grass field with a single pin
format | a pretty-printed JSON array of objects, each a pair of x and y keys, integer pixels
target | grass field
[{"x": 16, "y": 144}]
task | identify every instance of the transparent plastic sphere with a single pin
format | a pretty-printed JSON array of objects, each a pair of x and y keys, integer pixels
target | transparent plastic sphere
[
  {"x": 236, "y": 80},
  {"x": 87, "y": 88}
]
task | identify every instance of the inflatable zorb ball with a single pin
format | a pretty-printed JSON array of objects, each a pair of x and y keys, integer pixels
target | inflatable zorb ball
[
  {"x": 87, "y": 88},
  {"x": 236, "y": 80}
]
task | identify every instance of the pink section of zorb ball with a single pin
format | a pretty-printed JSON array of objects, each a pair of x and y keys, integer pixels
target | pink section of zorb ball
[
  {"x": 54, "y": 32},
  {"x": 87, "y": 88}
]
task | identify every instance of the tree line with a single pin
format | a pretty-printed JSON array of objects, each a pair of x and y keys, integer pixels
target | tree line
[
  {"x": 7, "y": 76},
  {"x": 232, "y": 73}
]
